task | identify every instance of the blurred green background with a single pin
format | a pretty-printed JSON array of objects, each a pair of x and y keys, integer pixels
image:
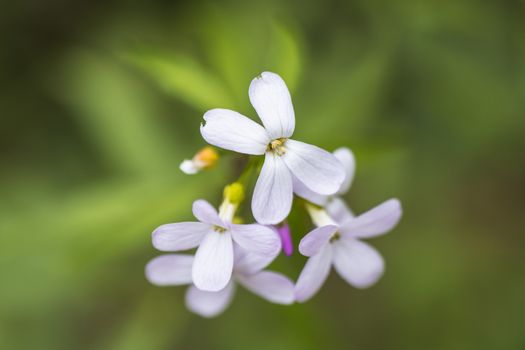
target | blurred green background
[{"x": 101, "y": 101}]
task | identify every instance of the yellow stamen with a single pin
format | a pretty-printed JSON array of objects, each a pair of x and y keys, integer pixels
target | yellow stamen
[
  {"x": 219, "y": 229},
  {"x": 277, "y": 146},
  {"x": 335, "y": 237}
]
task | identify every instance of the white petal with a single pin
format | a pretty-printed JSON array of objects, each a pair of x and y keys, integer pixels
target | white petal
[
  {"x": 314, "y": 274},
  {"x": 271, "y": 99},
  {"x": 315, "y": 240},
  {"x": 170, "y": 270},
  {"x": 247, "y": 262},
  {"x": 316, "y": 168},
  {"x": 374, "y": 222},
  {"x": 209, "y": 304},
  {"x": 213, "y": 265},
  {"x": 233, "y": 131},
  {"x": 302, "y": 191},
  {"x": 256, "y": 238},
  {"x": 357, "y": 262},
  {"x": 179, "y": 236},
  {"x": 205, "y": 212},
  {"x": 269, "y": 285},
  {"x": 338, "y": 210},
  {"x": 273, "y": 193},
  {"x": 347, "y": 159}
]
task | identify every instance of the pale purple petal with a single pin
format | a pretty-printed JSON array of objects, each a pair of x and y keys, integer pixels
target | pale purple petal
[
  {"x": 213, "y": 265},
  {"x": 256, "y": 238},
  {"x": 247, "y": 262},
  {"x": 374, "y": 222},
  {"x": 233, "y": 131},
  {"x": 269, "y": 285},
  {"x": 338, "y": 210},
  {"x": 271, "y": 99},
  {"x": 357, "y": 262},
  {"x": 209, "y": 304},
  {"x": 302, "y": 191},
  {"x": 170, "y": 270},
  {"x": 347, "y": 159},
  {"x": 205, "y": 212},
  {"x": 316, "y": 168},
  {"x": 316, "y": 239},
  {"x": 273, "y": 193},
  {"x": 314, "y": 274},
  {"x": 179, "y": 236},
  {"x": 286, "y": 237}
]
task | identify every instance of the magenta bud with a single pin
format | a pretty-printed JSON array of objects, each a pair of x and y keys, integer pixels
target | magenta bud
[{"x": 286, "y": 238}]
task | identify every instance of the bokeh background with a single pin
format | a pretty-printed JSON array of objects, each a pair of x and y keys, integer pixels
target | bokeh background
[{"x": 100, "y": 102}]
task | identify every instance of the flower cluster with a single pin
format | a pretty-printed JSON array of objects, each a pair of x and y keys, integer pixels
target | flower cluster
[{"x": 229, "y": 253}]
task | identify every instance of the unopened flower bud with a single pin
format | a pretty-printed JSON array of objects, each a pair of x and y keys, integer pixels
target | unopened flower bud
[
  {"x": 237, "y": 220},
  {"x": 285, "y": 234},
  {"x": 234, "y": 193},
  {"x": 208, "y": 156},
  {"x": 204, "y": 159}
]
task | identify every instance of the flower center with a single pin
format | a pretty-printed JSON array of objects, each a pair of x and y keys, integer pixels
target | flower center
[
  {"x": 335, "y": 237},
  {"x": 277, "y": 146},
  {"x": 219, "y": 229}
]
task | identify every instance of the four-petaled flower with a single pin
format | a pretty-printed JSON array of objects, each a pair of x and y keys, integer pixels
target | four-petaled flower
[
  {"x": 338, "y": 244},
  {"x": 175, "y": 269},
  {"x": 214, "y": 235},
  {"x": 285, "y": 158}
]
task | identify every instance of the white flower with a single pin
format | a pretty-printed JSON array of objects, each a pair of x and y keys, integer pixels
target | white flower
[
  {"x": 175, "y": 269},
  {"x": 285, "y": 158},
  {"x": 333, "y": 204},
  {"x": 338, "y": 244},
  {"x": 214, "y": 235}
]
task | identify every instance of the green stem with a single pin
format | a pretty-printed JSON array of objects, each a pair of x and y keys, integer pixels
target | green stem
[{"x": 254, "y": 163}]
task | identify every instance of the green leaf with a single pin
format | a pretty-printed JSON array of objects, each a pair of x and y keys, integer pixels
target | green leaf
[
  {"x": 284, "y": 55},
  {"x": 116, "y": 111},
  {"x": 182, "y": 77}
]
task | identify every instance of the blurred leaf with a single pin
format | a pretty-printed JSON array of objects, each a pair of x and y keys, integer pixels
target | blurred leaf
[
  {"x": 285, "y": 56},
  {"x": 349, "y": 97},
  {"x": 182, "y": 77},
  {"x": 241, "y": 47},
  {"x": 151, "y": 316},
  {"x": 229, "y": 43},
  {"x": 116, "y": 112}
]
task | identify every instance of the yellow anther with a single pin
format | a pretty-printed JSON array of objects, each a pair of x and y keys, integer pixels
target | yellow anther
[
  {"x": 277, "y": 146},
  {"x": 335, "y": 237},
  {"x": 219, "y": 229}
]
